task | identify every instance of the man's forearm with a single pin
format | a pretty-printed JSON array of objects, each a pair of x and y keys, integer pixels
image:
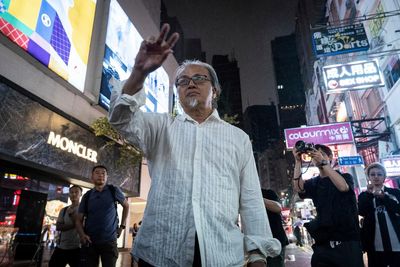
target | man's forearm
[
  {"x": 125, "y": 212},
  {"x": 134, "y": 83},
  {"x": 297, "y": 180},
  {"x": 272, "y": 206},
  {"x": 337, "y": 179}
]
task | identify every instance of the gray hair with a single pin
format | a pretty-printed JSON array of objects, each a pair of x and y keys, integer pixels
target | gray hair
[
  {"x": 211, "y": 71},
  {"x": 376, "y": 165}
]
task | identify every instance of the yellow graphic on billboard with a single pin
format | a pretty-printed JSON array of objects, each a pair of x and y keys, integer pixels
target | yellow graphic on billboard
[{"x": 55, "y": 32}]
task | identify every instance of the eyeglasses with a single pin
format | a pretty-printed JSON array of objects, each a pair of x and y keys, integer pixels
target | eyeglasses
[
  {"x": 377, "y": 174},
  {"x": 197, "y": 80}
]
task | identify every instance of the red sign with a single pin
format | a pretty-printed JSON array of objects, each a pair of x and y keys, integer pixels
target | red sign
[{"x": 326, "y": 134}]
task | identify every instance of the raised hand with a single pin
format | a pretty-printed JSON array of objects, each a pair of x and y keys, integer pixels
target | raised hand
[{"x": 154, "y": 51}]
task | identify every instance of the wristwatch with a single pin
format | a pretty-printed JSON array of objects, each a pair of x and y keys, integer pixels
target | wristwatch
[
  {"x": 122, "y": 226},
  {"x": 322, "y": 163}
]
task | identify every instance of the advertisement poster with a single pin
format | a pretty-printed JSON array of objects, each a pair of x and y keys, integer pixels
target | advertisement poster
[
  {"x": 122, "y": 44},
  {"x": 53, "y": 32}
]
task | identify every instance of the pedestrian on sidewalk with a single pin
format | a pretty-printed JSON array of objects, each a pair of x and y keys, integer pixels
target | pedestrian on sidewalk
[
  {"x": 68, "y": 247},
  {"x": 203, "y": 174},
  {"x": 298, "y": 235},
  {"x": 335, "y": 228},
  {"x": 380, "y": 208},
  {"x": 100, "y": 231},
  {"x": 274, "y": 208}
]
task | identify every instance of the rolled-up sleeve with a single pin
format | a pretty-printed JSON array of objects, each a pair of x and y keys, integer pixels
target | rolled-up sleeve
[
  {"x": 138, "y": 128},
  {"x": 256, "y": 229}
]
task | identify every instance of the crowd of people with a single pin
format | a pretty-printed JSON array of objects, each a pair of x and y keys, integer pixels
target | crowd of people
[{"x": 204, "y": 179}]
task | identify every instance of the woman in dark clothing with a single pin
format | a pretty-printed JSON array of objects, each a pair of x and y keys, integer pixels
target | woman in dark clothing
[{"x": 380, "y": 208}]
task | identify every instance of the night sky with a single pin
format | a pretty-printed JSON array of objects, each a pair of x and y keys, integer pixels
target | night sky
[{"x": 244, "y": 28}]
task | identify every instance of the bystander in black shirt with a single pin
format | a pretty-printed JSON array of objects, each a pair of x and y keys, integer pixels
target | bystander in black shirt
[{"x": 337, "y": 215}]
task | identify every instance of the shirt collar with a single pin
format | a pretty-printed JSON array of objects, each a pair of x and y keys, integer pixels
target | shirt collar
[{"x": 213, "y": 116}]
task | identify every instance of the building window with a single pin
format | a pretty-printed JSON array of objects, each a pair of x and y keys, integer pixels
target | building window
[{"x": 392, "y": 73}]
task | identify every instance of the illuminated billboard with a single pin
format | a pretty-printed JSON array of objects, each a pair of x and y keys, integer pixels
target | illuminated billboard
[
  {"x": 339, "y": 40},
  {"x": 53, "y": 32},
  {"x": 122, "y": 44},
  {"x": 324, "y": 134},
  {"x": 392, "y": 165},
  {"x": 352, "y": 76}
]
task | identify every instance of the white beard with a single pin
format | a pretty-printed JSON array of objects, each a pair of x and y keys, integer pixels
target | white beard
[{"x": 192, "y": 102}]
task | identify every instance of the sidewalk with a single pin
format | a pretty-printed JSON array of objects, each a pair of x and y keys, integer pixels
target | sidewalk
[
  {"x": 298, "y": 256},
  {"x": 295, "y": 257},
  {"x": 124, "y": 258}
]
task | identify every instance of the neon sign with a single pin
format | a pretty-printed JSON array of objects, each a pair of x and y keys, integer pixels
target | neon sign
[{"x": 353, "y": 75}]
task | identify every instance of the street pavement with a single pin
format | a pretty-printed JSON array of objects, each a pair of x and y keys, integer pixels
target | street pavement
[
  {"x": 295, "y": 257},
  {"x": 298, "y": 256}
]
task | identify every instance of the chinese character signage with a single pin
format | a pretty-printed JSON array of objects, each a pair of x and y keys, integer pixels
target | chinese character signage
[
  {"x": 392, "y": 166},
  {"x": 345, "y": 39},
  {"x": 352, "y": 76},
  {"x": 337, "y": 133}
]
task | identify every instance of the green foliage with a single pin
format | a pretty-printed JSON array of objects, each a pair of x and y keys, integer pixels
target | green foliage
[
  {"x": 231, "y": 119},
  {"x": 129, "y": 155}
]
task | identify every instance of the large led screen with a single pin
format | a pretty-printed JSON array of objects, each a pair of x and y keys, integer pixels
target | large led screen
[
  {"x": 122, "y": 44},
  {"x": 55, "y": 32}
]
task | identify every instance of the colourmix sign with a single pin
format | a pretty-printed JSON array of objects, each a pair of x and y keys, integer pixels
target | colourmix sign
[{"x": 326, "y": 134}]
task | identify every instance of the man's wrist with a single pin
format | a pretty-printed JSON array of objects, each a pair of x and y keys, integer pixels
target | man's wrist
[
  {"x": 254, "y": 257},
  {"x": 322, "y": 163},
  {"x": 122, "y": 226}
]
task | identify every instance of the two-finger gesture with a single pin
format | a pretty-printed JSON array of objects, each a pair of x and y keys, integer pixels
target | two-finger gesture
[{"x": 154, "y": 51}]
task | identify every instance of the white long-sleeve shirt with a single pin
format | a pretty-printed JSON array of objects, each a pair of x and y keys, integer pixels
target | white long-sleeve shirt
[{"x": 203, "y": 176}]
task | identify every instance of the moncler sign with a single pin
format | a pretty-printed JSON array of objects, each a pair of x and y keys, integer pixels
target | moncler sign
[{"x": 70, "y": 146}]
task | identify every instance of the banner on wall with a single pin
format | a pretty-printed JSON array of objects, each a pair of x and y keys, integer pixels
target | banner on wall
[{"x": 53, "y": 32}]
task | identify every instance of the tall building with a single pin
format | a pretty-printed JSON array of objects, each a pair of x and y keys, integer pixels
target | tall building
[
  {"x": 288, "y": 82},
  {"x": 261, "y": 124},
  {"x": 230, "y": 100},
  {"x": 310, "y": 12},
  {"x": 179, "y": 49},
  {"x": 193, "y": 50}
]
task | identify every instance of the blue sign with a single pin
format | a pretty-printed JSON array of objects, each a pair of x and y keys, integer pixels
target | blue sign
[
  {"x": 339, "y": 40},
  {"x": 352, "y": 160}
]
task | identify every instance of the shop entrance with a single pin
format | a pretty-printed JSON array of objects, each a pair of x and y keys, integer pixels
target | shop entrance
[{"x": 29, "y": 205}]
